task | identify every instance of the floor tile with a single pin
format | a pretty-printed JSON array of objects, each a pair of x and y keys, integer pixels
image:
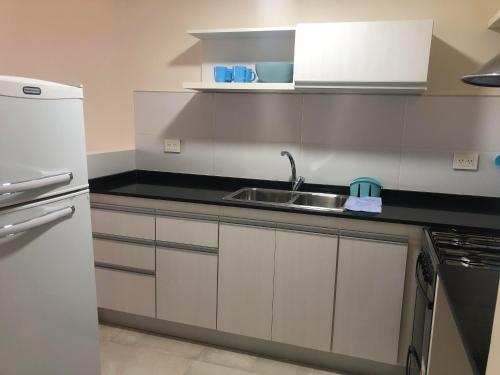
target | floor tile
[
  {"x": 107, "y": 332},
  {"x": 126, "y": 336},
  {"x": 133, "y": 352},
  {"x": 180, "y": 348},
  {"x": 229, "y": 359},
  {"x": 204, "y": 368},
  {"x": 115, "y": 357},
  {"x": 147, "y": 361},
  {"x": 264, "y": 366}
]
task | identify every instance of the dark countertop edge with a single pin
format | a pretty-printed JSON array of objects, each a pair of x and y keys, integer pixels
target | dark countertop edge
[{"x": 397, "y": 199}]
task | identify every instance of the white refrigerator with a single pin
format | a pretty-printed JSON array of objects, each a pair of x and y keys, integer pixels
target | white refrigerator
[{"x": 48, "y": 313}]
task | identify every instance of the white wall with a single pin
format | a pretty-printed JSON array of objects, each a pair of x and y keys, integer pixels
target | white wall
[
  {"x": 114, "y": 47},
  {"x": 406, "y": 142}
]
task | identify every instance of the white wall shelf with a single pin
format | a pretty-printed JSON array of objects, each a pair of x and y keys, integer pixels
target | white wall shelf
[
  {"x": 494, "y": 23},
  {"x": 239, "y": 87},
  {"x": 260, "y": 32},
  {"x": 229, "y": 47}
]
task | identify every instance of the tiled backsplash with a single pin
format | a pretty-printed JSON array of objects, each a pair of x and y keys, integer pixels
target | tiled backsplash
[{"x": 405, "y": 142}]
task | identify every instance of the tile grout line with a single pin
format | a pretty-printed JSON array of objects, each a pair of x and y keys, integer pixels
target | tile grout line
[{"x": 403, "y": 133}]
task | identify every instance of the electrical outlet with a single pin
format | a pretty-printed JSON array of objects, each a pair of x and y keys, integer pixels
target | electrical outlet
[
  {"x": 172, "y": 146},
  {"x": 466, "y": 161}
]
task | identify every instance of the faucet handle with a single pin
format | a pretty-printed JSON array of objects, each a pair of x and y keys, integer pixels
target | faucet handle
[{"x": 298, "y": 183}]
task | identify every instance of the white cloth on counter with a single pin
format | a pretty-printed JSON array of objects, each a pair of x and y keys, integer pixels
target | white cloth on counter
[{"x": 365, "y": 204}]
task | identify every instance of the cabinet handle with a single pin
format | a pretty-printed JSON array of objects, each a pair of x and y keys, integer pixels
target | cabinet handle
[
  {"x": 37, "y": 183},
  {"x": 24, "y": 226}
]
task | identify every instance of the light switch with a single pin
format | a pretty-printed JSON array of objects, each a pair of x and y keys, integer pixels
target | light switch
[{"x": 173, "y": 146}]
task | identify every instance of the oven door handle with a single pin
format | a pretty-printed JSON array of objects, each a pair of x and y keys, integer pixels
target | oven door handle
[
  {"x": 412, "y": 352},
  {"x": 420, "y": 285}
]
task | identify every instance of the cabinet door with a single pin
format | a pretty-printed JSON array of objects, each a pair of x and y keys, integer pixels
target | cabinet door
[
  {"x": 370, "y": 284},
  {"x": 304, "y": 286},
  {"x": 186, "y": 286},
  {"x": 362, "y": 53},
  {"x": 246, "y": 271}
]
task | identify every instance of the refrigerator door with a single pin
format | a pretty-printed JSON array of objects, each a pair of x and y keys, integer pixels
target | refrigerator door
[
  {"x": 48, "y": 313},
  {"x": 42, "y": 140}
]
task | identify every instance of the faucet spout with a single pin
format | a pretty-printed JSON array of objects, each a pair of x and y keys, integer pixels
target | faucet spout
[{"x": 296, "y": 182}]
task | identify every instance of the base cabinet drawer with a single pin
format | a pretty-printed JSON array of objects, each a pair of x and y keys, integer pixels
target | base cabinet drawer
[
  {"x": 123, "y": 223},
  {"x": 188, "y": 231},
  {"x": 124, "y": 254},
  {"x": 186, "y": 286},
  {"x": 125, "y": 291}
]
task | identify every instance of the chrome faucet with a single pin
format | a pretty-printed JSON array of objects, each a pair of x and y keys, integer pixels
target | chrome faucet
[{"x": 296, "y": 182}]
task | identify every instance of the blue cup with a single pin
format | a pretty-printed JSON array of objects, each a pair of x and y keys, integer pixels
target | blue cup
[
  {"x": 240, "y": 73},
  {"x": 223, "y": 74},
  {"x": 250, "y": 75},
  {"x": 243, "y": 74}
]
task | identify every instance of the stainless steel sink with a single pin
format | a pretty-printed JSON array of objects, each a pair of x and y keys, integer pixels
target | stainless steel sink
[
  {"x": 320, "y": 200},
  {"x": 263, "y": 195},
  {"x": 290, "y": 199}
]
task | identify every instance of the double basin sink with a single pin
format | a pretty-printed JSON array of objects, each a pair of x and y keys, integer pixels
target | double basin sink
[{"x": 289, "y": 199}]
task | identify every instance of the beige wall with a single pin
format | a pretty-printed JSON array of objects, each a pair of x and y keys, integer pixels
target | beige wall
[{"x": 116, "y": 46}]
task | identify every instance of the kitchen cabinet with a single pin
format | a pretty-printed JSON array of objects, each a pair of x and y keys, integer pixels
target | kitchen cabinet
[
  {"x": 186, "y": 286},
  {"x": 370, "y": 284},
  {"x": 304, "y": 288},
  {"x": 381, "y": 56},
  {"x": 128, "y": 292},
  {"x": 114, "y": 252},
  {"x": 187, "y": 228},
  {"x": 123, "y": 221},
  {"x": 246, "y": 272}
]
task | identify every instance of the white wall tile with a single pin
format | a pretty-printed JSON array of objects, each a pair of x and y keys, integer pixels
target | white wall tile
[
  {"x": 196, "y": 155},
  {"x": 453, "y": 123},
  {"x": 353, "y": 120},
  {"x": 107, "y": 163},
  {"x": 254, "y": 159},
  {"x": 339, "y": 166},
  {"x": 405, "y": 142},
  {"x": 432, "y": 171},
  {"x": 258, "y": 117},
  {"x": 174, "y": 114}
]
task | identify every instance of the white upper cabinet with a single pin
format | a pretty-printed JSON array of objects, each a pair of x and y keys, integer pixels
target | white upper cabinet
[{"x": 383, "y": 56}]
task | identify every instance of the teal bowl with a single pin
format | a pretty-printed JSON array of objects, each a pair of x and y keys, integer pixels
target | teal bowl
[{"x": 274, "y": 72}]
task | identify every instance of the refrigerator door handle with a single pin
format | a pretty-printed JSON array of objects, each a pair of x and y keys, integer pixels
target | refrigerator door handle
[
  {"x": 23, "y": 226},
  {"x": 37, "y": 183}
]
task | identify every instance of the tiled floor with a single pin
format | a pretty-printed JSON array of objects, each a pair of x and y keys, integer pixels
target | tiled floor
[{"x": 130, "y": 352}]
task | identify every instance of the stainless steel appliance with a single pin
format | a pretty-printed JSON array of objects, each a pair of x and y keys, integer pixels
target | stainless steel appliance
[
  {"x": 470, "y": 260},
  {"x": 48, "y": 313},
  {"x": 487, "y": 75},
  {"x": 425, "y": 275}
]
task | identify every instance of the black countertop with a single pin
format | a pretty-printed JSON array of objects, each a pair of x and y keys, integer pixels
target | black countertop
[
  {"x": 472, "y": 294},
  {"x": 401, "y": 207}
]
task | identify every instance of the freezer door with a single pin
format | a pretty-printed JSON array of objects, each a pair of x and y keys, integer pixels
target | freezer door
[
  {"x": 48, "y": 313},
  {"x": 42, "y": 148}
]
